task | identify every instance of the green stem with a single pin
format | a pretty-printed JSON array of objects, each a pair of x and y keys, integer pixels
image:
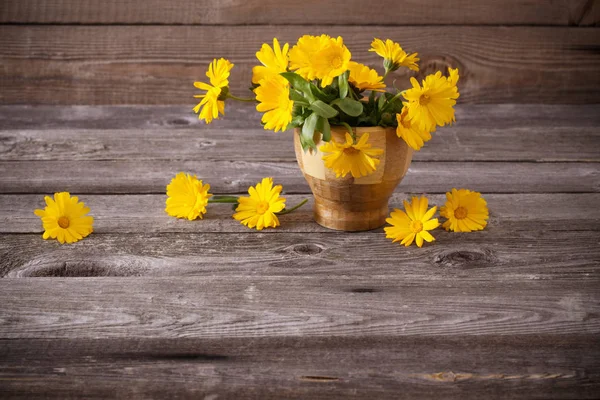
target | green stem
[
  {"x": 390, "y": 102},
  {"x": 350, "y": 131},
  {"x": 249, "y": 100},
  {"x": 297, "y": 206},
  {"x": 223, "y": 199},
  {"x": 386, "y": 74}
]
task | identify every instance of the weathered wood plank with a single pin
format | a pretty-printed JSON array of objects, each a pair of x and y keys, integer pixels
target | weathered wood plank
[
  {"x": 499, "y": 256},
  {"x": 230, "y": 307},
  {"x": 149, "y": 176},
  {"x": 157, "y": 64},
  {"x": 176, "y": 117},
  {"x": 408, "y": 367},
  {"x": 145, "y": 213},
  {"x": 312, "y": 12},
  {"x": 457, "y": 143}
]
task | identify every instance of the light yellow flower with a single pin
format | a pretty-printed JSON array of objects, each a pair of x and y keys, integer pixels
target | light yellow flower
[
  {"x": 210, "y": 106},
  {"x": 187, "y": 197},
  {"x": 273, "y": 96},
  {"x": 302, "y": 55},
  {"x": 412, "y": 225},
  {"x": 331, "y": 61},
  {"x": 365, "y": 78},
  {"x": 431, "y": 104},
  {"x": 259, "y": 210},
  {"x": 393, "y": 55},
  {"x": 465, "y": 210},
  {"x": 274, "y": 61},
  {"x": 357, "y": 159},
  {"x": 412, "y": 134},
  {"x": 65, "y": 219}
]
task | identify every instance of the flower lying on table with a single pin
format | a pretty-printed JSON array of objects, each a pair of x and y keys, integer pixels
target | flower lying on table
[
  {"x": 188, "y": 197},
  {"x": 65, "y": 219}
]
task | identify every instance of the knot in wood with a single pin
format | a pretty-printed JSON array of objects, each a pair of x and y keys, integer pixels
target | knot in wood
[
  {"x": 466, "y": 259},
  {"x": 307, "y": 249}
]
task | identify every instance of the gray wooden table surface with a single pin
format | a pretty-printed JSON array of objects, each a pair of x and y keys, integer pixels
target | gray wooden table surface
[{"x": 151, "y": 307}]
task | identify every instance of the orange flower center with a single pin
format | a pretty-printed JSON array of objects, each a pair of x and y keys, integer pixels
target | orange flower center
[
  {"x": 351, "y": 151},
  {"x": 424, "y": 99},
  {"x": 262, "y": 207},
  {"x": 336, "y": 62},
  {"x": 63, "y": 222},
  {"x": 416, "y": 226},
  {"x": 460, "y": 213}
]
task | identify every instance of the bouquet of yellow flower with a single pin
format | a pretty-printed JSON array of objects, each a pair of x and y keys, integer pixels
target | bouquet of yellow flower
[
  {"x": 315, "y": 85},
  {"x": 346, "y": 123}
]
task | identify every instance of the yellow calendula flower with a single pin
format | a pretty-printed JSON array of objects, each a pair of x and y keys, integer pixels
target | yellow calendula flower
[
  {"x": 432, "y": 103},
  {"x": 414, "y": 224},
  {"x": 302, "y": 55},
  {"x": 187, "y": 197},
  {"x": 393, "y": 55},
  {"x": 365, "y": 78},
  {"x": 274, "y": 61},
  {"x": 210, "y": 106},
  {"x": 259, "y": 210},
  {"x": 331, "y": 61},
  {"x": 65, "y": 219},
  {"x": 273, "y": 96},
  {"x": 412, "y": 134},
  {"x": 465, "y": 210},
  {"x": 357, "y": 159}
]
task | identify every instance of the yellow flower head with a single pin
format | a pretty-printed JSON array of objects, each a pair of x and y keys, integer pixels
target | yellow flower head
[
  {"x": 465, "y": 210},
  {"x": 187, "y": 197},
  {"x": 65, "y": 219},
  {"x": 358, "y": 159},
  {"x": 393, "y": 55},
  {"x": 273, "y": 96},
  {"x": 302, "y": 55},
  {"x": 365, "y": 78},
  {"x": 258, "y": 210},
  {"x": 331, "y": 61},
  {"x": 210, "y": 106},
  {"x": 412, "y": 134},
  {"x": 274, "y": 61},
  {"x": 414, "y": 224},
  {"x": 431, "y": 104}
]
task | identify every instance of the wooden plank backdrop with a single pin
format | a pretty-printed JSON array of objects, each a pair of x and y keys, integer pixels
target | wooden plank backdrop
[
  {"x": 133, "y": 52},
  {"x": 286, "y": 12},
  {"x": 96, "y": 98}
]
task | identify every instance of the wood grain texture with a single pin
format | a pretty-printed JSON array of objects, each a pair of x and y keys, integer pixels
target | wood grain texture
[
  {"x": 498, "y": 257},
  {"x": 460, "y": 142},
  {"x": 482, "y": 133},
  {"x": 157, "y": 64},
  {"x": 148, "y": 176},
  {"x": 484, "y": 117},
  {"x": 145, "y": 213},
  {"x": 312, "y": 12},
  {"x": 406, "y": 367},
  {"x": 230, "y": 307}
]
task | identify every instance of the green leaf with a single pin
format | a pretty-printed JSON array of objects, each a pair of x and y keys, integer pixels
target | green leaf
[
  {"x": 308, "y": 131},
  {"x": 297, "y": 121},
  {"x": 298, "y": 98},
  {"x": 299, "y": 83},
  {"x": 323, "y": 109},
  {"x": 343, "y": 84},
  {"x": 351, "y": 107},
  {"x": 318, "y": 93},
  {"x": 381, "y": 102},
  {"x": 325, "y": 129}
]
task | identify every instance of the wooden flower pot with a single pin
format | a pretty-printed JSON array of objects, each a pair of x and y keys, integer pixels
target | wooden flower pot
[{"x": 355, "y": 204}]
